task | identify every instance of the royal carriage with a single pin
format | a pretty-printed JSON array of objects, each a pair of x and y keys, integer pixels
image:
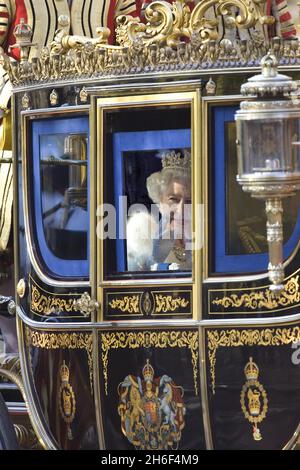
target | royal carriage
[{"x": 130, "y": 338}]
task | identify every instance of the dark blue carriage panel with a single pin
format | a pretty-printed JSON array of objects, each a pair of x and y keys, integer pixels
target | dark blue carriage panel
[
  {"x": 253, "y": 380},
  {"x": 61, "y": 195},
  {"x": 239, "y": 222},
  {"x": 151, "y": 393}
]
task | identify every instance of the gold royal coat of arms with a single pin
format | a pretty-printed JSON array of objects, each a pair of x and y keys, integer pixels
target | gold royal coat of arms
[{"x": 152, "y": 410}]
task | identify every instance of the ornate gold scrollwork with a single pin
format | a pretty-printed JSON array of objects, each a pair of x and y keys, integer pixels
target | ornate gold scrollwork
[
  {"x": 72, "y": 341},
  {"x": 237, "y": 338},
  {"x": 64, "y": 41},
  {"x": 168, "y": 303},
  {"x": 127, "y": 304},
  {"x": 263, "y": 299},
  {"x": 44, "y": 303},
  {"x": 150, "y": 339},
  {"x": 173, "y": 38},
  {"x": 170, "y": 23},
  {"x": 148, "y": 303}
]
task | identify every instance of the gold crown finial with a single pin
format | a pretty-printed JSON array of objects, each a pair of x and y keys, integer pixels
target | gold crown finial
[
  {"x": 148, "y": 372},
  {"x": 64, "y": 372},
  {"x": 251, "y": 370},
  {"x": 175, "y": 160}
]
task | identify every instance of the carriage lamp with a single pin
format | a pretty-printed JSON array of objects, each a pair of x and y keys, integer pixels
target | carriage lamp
[{"x": 268, "y": 143}]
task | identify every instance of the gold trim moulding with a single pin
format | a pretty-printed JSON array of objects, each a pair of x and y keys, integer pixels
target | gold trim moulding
[{"x": 173, "y": 39}]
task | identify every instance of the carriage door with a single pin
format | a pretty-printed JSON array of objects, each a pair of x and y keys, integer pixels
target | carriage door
[{"x": 146, "y": 258}]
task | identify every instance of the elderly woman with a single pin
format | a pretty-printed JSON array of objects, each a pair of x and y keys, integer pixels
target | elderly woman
[{"x": 161, "y": 240}]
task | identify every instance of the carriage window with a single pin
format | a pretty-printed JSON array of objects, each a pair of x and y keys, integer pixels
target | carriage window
[
  {"x": 148, "y": 151},
  {"x": 61, "y": 194},
  {"x": 239, "y": 219}
]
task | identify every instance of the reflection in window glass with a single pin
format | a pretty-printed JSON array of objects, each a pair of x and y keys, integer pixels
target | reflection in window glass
[
  {"x": 61, "y": 198},
  {"x": 239, "y": 222},
  {"x": 64, "y": 194},
  {"x": 246, "y": 230}
]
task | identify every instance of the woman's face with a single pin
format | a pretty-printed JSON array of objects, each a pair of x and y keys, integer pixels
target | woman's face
[{"x": 175, "y": 207}]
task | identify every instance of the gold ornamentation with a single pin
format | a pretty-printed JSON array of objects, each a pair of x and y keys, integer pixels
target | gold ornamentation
[
  {"x": 72, "y": 341},
  {"x": 168, "y": 303},
  {"x": 169, "y": 23},
  {"x": 210, "y": 87},
  {"x": 155, "y": 46},
  {"x": 150, "y": 339},
  {"x": 64, "y": 42},
  {"x": 21, "y": 288},
  {"x": 44, "y": 303},
  {"x": 23, "y": 35},
  {"x": 25, "y": 101},
  {"x": 83, "y": 95},
  {"x": 147, "y": 303},
  {"x": 237, "y": 338},
  {"x": 152, "y": 410},
  {"x": 254, "y": 401},
  {"x": 264, "y": 299},
  {"x": 26, "y": 438},
  {"x": 67, "y": 402},
  {"x": 54, "y": 98},
  {"x": 128, "y": 304}
]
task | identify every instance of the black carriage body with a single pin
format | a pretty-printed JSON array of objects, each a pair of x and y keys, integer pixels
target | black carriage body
[{"x": 198, "y": 358}]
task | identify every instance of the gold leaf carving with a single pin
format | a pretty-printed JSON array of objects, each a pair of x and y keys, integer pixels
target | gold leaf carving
[{"x": 173, "y": 38}]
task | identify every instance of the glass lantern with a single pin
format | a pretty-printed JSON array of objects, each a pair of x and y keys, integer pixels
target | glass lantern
[{"x": 268, "y": 141}]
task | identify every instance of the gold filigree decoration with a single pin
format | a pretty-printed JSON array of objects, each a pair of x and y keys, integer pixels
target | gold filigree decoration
[
  {"x": 43, "y": 340},
  {"x": 128, "y": 304},
  {"x": 168, "y": 303},
  {"x": 263, "y": 299},
  {"x": 237, "y": 338},
  {"x": 174, "y": 38},
  {"x": 45, "y": 304},
  {"x": 142, "y": 303},
  {"x": 150, "y": 339}
]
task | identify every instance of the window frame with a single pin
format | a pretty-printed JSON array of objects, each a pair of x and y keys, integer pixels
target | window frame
[{"x": 33, "y": 247}]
